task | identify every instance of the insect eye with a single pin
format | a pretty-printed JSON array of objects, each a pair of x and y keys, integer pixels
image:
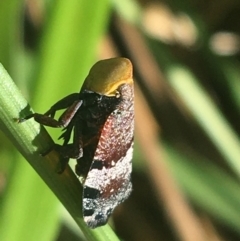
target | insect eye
[{"x": 117, "y": 94}]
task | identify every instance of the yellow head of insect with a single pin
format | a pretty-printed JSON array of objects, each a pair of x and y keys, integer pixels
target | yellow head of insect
[{"x": 107, "y": 75}]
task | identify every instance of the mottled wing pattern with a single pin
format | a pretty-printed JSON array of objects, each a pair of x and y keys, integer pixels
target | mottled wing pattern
[{"x": 108, "y": 182}]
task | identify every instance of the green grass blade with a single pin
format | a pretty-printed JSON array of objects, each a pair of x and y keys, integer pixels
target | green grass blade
[
  {"x": 25, "y": 201},
  {"x": 31, "y": 139},
  {"x": 207, "y": 115}
]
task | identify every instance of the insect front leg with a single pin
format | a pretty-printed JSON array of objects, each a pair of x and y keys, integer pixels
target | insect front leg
[
  {"x": 62, "y": 104},
  {"x": 48, "y": 118},
  {"x": 67, "y": 150},
  {"x": 72, "y": 103},
  {"x": 64, "y": 119}
]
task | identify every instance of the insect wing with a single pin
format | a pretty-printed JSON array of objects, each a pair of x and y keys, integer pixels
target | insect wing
[{"x": 108, "y": 182}]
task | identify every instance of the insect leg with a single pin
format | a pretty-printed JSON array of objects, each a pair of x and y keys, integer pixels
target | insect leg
[
  {"x": 73, "y": 150},
  {"x": 63, "y": 121},
  {"x": 69, "y": 113},
  {"x": 62, "y": 104}
]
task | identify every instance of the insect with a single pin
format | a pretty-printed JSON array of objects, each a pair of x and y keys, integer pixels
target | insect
[{"x": 101, "y": 118}]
